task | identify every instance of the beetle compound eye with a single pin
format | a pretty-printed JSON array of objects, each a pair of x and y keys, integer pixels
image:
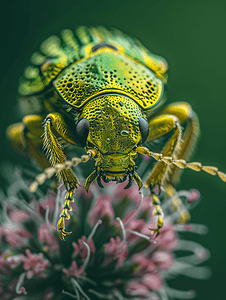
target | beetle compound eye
[
  {"x": 82, "y": 130},
  {"x": 144, "y": 129}
]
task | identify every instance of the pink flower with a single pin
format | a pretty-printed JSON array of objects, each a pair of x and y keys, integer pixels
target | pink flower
[
  {"x": 163, "y": 259},
  {"x": 120, "y": 192},
  {"x": 101, "y": 208},
  {"x": 45, "y": 235},
  {"x": 168, "y": 239},
  {"x": 76, "y": 249},
  {"x": 194, "y": 196},
  {"x": 81, "y": 248},
  {"x": 134, "y": 287},
  {"x": 145, "y": 263},
  {"x": 135, "y": 225},
  {"x": 48, "y": 202},
  {"x": 116, "y": 255},
  {"x": 116, "y": 249},
  {"x": 23, "y": 290},
  {"x": 152, "y": 281},
  {"x": 73, "y": 270},
  {"x": 15, "y": 237},
  {"x": 34, "y": 264},
  {"x": 19, "y": 216}
]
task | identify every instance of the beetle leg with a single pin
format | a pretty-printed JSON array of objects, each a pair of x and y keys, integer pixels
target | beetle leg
[
  {"x": 182, "y": 150},
  {"x": 26, "y": 137},
  {"x": 14, "y": 134},
  {"x": 55, "y": 122},
  {"x": 157, "y": 211},
  {"x": 160, "y": 126},
  {"x": 188, "y": 118},
  {"x": 65, "y": 215},
  {"x": 177, "y": 204}
]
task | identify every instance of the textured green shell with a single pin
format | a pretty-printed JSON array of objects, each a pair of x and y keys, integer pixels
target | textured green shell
[{"x": 80, "y": 70}]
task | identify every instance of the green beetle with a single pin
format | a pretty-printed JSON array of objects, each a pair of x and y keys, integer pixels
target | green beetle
[{"x": 102, "y": 90}]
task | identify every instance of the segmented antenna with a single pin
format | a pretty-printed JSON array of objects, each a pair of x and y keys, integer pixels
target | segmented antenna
[
  {"x": 182, "y": 164},
  {"x": 49, "y": 172}
]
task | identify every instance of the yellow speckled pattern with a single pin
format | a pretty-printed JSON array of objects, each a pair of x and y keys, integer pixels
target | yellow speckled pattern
[
  {"x": 71, "y": 50},
  {"x": 108, "y": 70},
  {"x": 114, "y": 123}
]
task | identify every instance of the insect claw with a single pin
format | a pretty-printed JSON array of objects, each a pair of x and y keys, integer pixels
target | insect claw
[
  {"x": 61, "y": 228},
  {"x": 157, "y": 231},
  {"x": 129, "y": 183},
  {"x": 99, "y": 182},
  {"x": 92, "y": 177},
  {"x": 63, "y": 234}
]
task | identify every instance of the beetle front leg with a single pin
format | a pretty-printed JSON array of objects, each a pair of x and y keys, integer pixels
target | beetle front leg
[{"x": 55, "y": 122}]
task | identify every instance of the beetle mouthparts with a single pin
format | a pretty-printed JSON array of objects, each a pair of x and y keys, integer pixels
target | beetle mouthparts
[
  {"x": 119, "y": 177},
  {"x": 107, "y": 179}
]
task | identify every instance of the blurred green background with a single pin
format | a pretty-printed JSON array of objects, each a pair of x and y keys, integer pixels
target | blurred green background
[{"x": 190, "y": 35}]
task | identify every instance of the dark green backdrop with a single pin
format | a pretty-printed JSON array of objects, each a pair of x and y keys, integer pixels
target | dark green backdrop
[{"x": 191, "y": 36}]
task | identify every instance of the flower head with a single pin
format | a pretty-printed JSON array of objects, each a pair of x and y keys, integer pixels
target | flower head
[
  {"x": 34, "y": 264},
  {"x": 111, "y": 254}
]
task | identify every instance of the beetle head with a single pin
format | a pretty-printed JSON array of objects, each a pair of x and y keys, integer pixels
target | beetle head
[{"x": 112, "y": 126}]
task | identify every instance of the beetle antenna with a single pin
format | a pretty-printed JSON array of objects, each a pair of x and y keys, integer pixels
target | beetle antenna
[
  {"x": 49, "y": 172},
  {"x": 182, "y": 164}
]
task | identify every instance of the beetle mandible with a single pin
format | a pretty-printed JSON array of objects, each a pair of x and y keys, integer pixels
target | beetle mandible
[{"x": 103, "y": 91}]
